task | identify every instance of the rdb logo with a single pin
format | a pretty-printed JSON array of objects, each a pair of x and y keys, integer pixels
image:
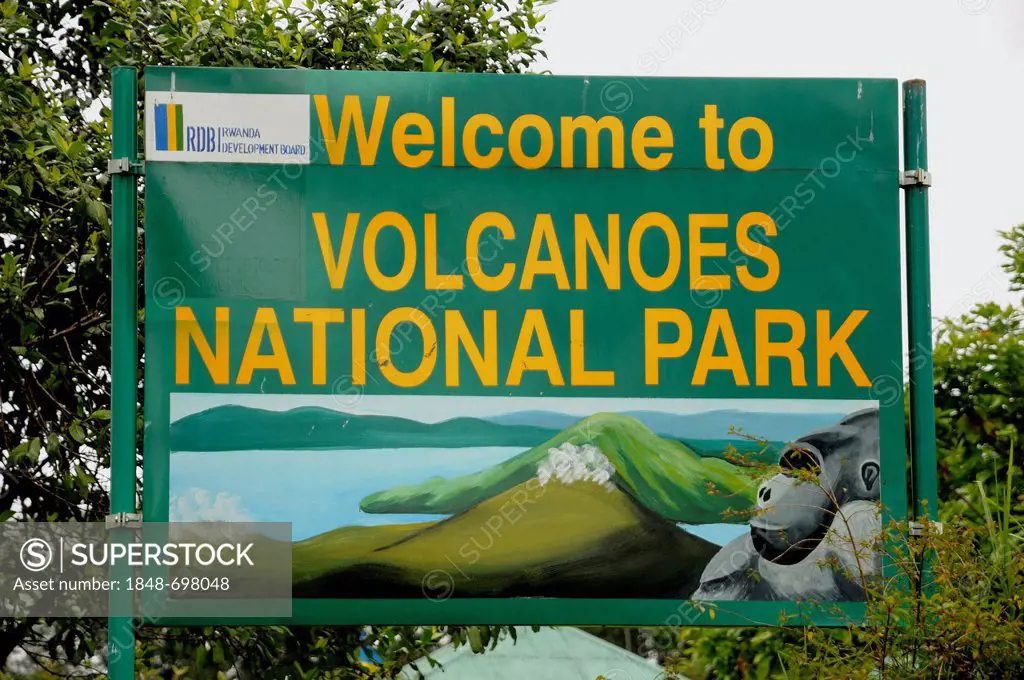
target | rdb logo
[{"x": 201, "y": 139}]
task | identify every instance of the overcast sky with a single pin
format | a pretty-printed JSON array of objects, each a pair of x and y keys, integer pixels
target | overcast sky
[{"x": 971, "y": 52}]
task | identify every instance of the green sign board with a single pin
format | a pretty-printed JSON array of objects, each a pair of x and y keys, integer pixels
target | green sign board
[{"x": 510, "y": 349}]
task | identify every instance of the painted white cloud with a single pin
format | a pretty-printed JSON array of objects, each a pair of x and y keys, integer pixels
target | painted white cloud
[
  {"x": 200, "y": 505},
  {"x": 571, "y": 463}
]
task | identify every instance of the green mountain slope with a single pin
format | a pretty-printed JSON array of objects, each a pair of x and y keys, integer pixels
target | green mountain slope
[
  {"x": 665, "y": 476},
  {"x": 575, "y": 540},
  {"x": 749, "y": 451},
  {"x": 239, "y": 428}
]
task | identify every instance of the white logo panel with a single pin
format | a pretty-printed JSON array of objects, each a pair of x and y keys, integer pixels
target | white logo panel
[{"x": 213, "y": 127}]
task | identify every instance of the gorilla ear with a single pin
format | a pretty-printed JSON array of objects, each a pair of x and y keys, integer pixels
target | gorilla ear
[{"x": 869, "y": 473}]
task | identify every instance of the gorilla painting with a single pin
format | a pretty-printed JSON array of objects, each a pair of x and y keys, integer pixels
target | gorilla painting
[{"x": 809, "y": 539}]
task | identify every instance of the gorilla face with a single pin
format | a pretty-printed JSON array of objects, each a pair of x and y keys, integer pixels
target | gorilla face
[
  {"x": 790, "y": 511},
  {"x": 792, "y": 515}
]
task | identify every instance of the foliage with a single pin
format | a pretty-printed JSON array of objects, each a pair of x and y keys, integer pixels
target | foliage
[
  {"x": 961, "y": 617},
  {"x": 967, "y": 623},
  {"x": 979, "y": 399},
  {"x": 55, "y": 61},
  {"x": 979, "y": 385}
]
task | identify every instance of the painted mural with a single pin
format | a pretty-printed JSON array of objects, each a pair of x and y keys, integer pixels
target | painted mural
[{"x": 393, "y": 497}]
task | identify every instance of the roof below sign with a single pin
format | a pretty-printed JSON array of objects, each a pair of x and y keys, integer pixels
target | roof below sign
[{"x": 548, "y": 654}]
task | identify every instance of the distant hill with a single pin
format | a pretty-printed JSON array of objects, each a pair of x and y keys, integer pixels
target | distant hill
[
  {"x": 576, "y": 540},
  {"x": 781, "y": 427},
  {"x": 240, "y": 428},
  {"x": 665, "y": 476}
]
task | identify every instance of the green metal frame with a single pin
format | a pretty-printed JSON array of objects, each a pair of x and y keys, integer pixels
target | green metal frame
[
  {"x": 924, "y": 465},
  {"x": 124, "y": 348},
  {"x": 470, "y": 611}
]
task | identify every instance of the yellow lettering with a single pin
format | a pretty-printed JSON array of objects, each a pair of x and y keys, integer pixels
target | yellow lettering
[
  {"x": 764, "y": 154},
  {"x": 534, "y": 325},
  {"x": 544, "y": 233},
  {"x": 720, "y": 324},
  {"x": 469, "y": 149},
  {"x": 711, "y": 124},
  {"x": 433, "y": 280},
  {"x": 607, "y": 262},
  {"x": 265, "y": 323},
  {"x": 358, "y": 346},
  {"x": 667, "y": 278},
  {"x": 401, "y": 138},
  {"x": 699, "y": 250},
  {"x": 319, "y": 318},
  {"x": 448, "y": 132},
  {"x": 765, "y": 349},
  {"x": 654, "y": 349},
  {"x": 592, "y": 129},
  {"x": 662, "y": 140},
  {"x": 578, "y": 373},
  {"x": 186, "y": 328},
  {"x": 837, "y": 345},
  {"x": 337, "y": 267},
  {"x": 749, "y": 246},
  {"x": 515, "y": 141},
  {"x": 379, "y": 222},
  {"x": 351, "y": 117},
  {"x": 387, "y": 327},
  {"x": 457, "y": 334},
  {"x": 482, "y": 280}
]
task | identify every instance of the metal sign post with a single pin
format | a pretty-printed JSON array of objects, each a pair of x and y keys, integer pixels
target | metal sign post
[
  {"x": 916, "y": 180},
  {"x": 124, "y": 357}
]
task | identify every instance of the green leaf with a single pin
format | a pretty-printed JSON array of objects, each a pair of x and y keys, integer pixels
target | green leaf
[
  {"x": 102, "y": 414},
  {"x": 76, "y": 432},
  {"x": 58, "y": 140},
  {"x": 97, "y": 212},
  {"x": 475, "y": 642},
  {"x": 34, "y": 446},
  {"x": 13, "y": 188},
  {"x": 516, "y": 40},
  {"x": 75, "y": 148},
  {"x": 18, "y": 452},
  {"x": 25, "y": 69}
]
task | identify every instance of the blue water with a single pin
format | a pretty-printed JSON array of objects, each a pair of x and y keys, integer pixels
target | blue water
[
  {"x": 717, "y": 533},
  {"x": 318, "y": 491}
]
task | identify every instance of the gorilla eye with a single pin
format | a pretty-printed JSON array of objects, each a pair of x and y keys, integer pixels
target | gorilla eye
[{"x": 797, "y": 459}]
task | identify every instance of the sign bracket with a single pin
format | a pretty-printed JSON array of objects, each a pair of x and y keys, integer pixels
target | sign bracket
[
  {"x": 125, "y": 165},
  {"x": 124, "y": 520},
  {"x": 919, "y": 177},
  {"x": 917, "y": 529}
]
